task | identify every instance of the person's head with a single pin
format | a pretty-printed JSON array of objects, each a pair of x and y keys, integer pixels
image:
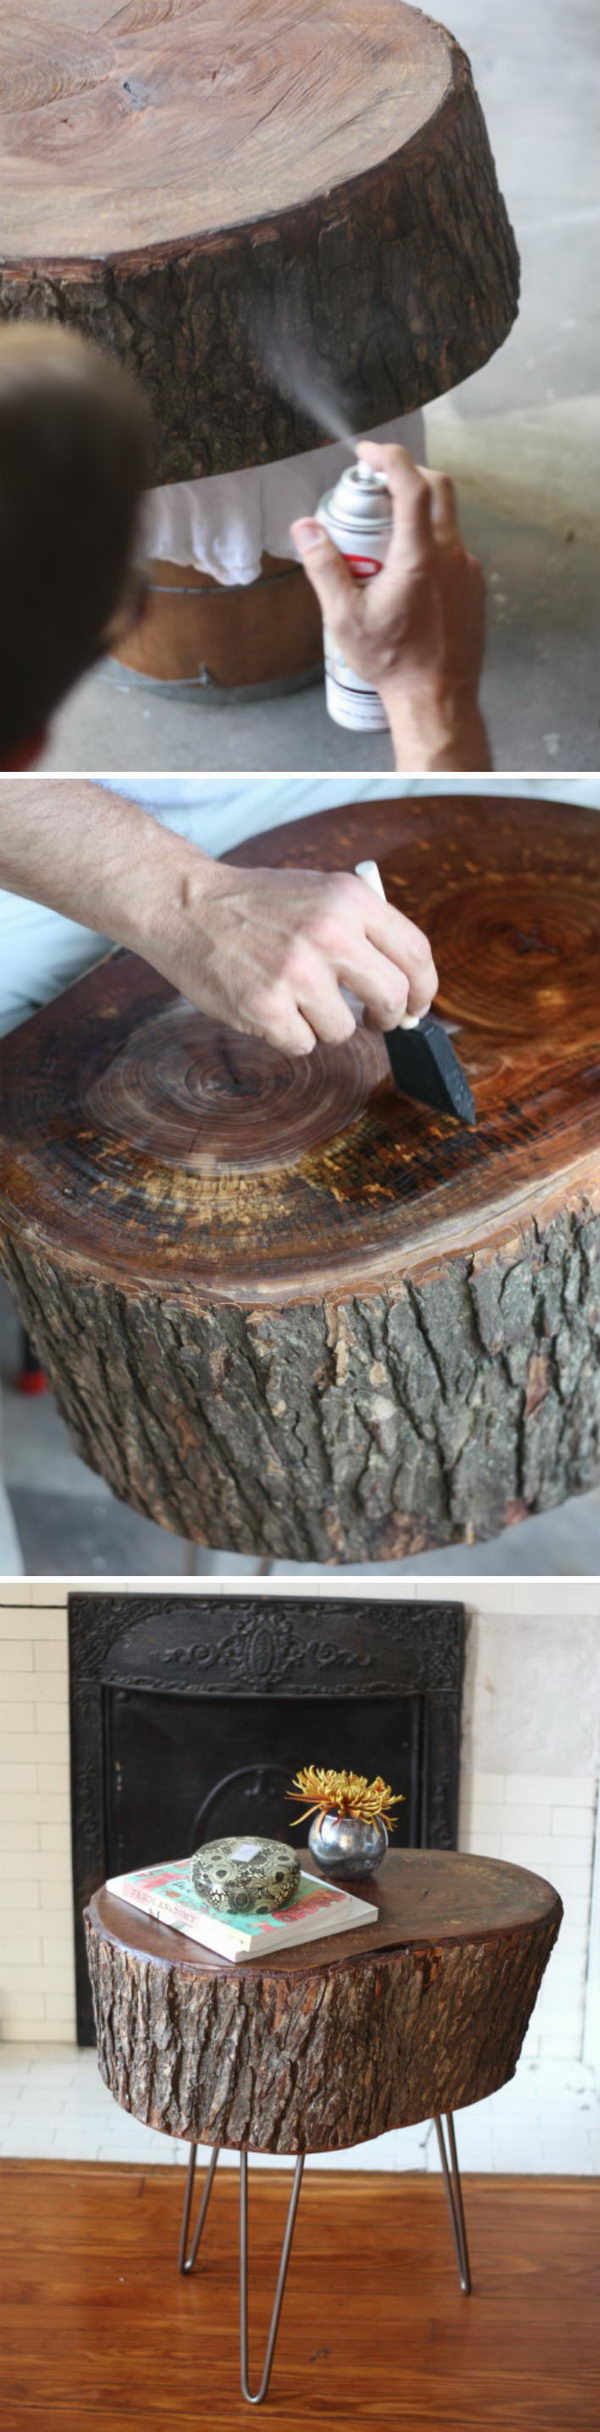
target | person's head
[{"x": 75, "y": 453}]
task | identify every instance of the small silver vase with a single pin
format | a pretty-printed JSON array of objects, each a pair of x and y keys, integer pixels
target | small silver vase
[{"x": 345, "y": 1845}]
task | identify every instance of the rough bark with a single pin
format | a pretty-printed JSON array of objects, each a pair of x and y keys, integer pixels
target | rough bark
[
  {"x": 361, "y": 232},
  {"x": 342, "y": 1348},
  {"x": 314, "y": 2053},
  {"x": 364, "y": 1432}
]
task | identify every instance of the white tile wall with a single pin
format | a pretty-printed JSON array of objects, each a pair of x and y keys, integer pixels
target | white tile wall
[
  {"x": 53, "y": 2105},
  {"x": 540, "y": 1818},
  {"x": 36, "y": 1967},
  {"x": 548, "y": 1823}
]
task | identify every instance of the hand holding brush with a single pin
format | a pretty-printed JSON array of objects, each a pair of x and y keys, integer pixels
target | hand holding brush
[{"x": 421, "y": 1055}]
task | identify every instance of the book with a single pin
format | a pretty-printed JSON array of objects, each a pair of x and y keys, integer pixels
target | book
[{"x": 167, "y": 1892}]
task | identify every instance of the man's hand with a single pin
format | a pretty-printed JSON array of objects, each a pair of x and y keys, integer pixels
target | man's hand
[
  {"x": 268, "y": 951},
  {"x": 415, "y": 631}
]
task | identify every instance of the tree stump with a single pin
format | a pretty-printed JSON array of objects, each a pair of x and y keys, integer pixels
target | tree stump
[
  {"x": 338, "y": 2041},
  {"x": 236, "y": 200},
  {"x": 285, "y": 1310}
]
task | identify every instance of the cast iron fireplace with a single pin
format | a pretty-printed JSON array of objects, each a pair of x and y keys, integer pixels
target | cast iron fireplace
[{"x": 190, "y": 1714}]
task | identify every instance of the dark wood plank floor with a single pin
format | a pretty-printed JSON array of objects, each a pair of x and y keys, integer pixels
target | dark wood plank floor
[{"x": 98, "y": 2332}]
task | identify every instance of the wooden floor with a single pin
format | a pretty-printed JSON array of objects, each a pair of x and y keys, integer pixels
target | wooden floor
[{"x": 98, "y": 2333}]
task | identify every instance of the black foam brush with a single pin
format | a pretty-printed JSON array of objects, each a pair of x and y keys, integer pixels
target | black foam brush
[{"x": 421, "y": 1055}]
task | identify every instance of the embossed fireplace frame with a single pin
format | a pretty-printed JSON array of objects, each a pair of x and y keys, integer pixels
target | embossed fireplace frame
[{"x": 251, "y": 1649}]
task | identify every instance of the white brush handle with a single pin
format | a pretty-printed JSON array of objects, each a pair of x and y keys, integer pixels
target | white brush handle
[{"x": 373, "y": 879}]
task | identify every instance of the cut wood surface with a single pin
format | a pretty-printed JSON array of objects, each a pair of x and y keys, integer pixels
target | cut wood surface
[
  {"x": 204, "y": 188},
  {"x": 314, "y": 2050},
  {"x": 284, "y": 1309},
  {"x": 98, "y": 2328}
]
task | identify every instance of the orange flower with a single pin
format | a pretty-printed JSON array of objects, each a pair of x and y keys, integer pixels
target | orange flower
[{"x": 343, "y": 1794}]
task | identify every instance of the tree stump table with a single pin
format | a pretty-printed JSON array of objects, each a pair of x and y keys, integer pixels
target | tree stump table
[
  {"x": 322, "y": 2047},
  {"x": 285, "y": 1310},
  {"x": 226, "y": 197}
]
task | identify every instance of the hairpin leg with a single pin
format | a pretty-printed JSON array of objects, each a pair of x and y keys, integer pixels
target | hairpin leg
[
  {"x": 255, "y": 2397},
  {"x": 455, "y": 2200},
  {"x": 186, "y": 2262}
]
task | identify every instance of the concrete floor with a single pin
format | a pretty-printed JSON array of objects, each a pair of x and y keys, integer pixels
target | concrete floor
[
  {"x": 67, "y": 1522},
  {"x": 521, "y": 439}
]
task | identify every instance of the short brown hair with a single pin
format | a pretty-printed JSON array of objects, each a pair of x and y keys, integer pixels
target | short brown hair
[{"x": 75, "y": 451}]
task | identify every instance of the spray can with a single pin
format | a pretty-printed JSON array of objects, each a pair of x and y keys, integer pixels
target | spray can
[{"x": 357, "y": 514}]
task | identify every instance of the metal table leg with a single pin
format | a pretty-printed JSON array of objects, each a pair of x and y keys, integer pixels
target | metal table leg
[
  {"x": 186, "y": 2262},
  {"x": 452, "y": 2183},
  {"x": 255, "y": 2397}
]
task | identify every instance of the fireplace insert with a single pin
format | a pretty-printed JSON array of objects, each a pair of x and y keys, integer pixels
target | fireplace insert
[{"x": 190, "y": 1714}]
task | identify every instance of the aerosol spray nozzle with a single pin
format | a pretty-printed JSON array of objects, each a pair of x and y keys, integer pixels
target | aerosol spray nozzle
[{"x": 366, "y": 475}]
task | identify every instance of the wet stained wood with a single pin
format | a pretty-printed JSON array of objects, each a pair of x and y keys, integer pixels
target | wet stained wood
[
  {"x": 285, "y": 1310},
  {"x": 320, "y": 2048},
  {"x": 210, "y": 191},
  {"x": 97, "y": 2327}
]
